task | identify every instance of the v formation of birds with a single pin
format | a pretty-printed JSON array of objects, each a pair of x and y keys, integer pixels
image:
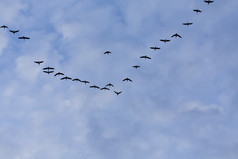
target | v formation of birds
[{"x": 50, "y": 70}]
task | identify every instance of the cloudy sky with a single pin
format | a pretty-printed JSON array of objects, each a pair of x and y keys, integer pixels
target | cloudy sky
[{"x": 181, "y": 104}]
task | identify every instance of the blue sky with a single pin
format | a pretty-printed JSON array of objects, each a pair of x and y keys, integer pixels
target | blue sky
[{"x": 181, "y": 104}]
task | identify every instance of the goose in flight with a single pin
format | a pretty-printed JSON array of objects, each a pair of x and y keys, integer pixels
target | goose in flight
[
  {"x": 107, "y": 52},
  {"x": 66, "y": 78},
  {"x": 127, "y": 79},
  {"x": 94, "y": 86},
  {"x": 23, "y": 37},
  {"x": 145, "y": 57},
  {"x": 59, "y": 73},
  {"x": 176, "y": 35},
  {"x": 3, "y": 26},
  {"x": 197, "y": 10},
  {"x": 14, "y": 31},
  {"x": 109, "y": 85},
  {"x": 105, "y": 88},
  {"x": 85, "y": 82},
  {"x": 187, "y": 23},
  {"x": 136, "y": 66},
  {"x": 154, "y": 48},
  {"x": 48, "y": 72},
  {"x": 76, "y": 79},
  {"x": 117, "y": 93},
  {"x": 208, "y": 1},
  {"x": 48, "y": 68},
  {"x": 165, "y": 40},
  {"x": 38, "y": 62}
]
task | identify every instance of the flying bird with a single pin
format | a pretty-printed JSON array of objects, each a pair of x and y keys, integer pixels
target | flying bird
[
  {"x": 48, "y": 68},
  {"x": 38, "y": 62},
  {"x": 76, "y": 79},
  {"x": 187, "y": 23},
  {"x": 104, "y": 88},
  {"x": 109, "y": 85},
  {"x": 136, "y": 66},
  {"x": 85, "y": 82},
  {"x": 176, "y": 35},
  {"x": 155, "y": 48},
  {"x": 94, "y": 86},
  {"x": 23, "y": 37},
  {"x": 59, "y": 73},
  {"x": 118, "y": 92},
  {"x": 208, "y": 1},
  {"x": 48, "y": 72},
  {"x": 127, "y": 79},
  {"x": 4, "y": 26},
  {"x": 145, "y": 57},
  {"x": 165, "y": 40},
  {"x": 14, "y": 31},
  {"x": 107, "y": 52},
  {"x": 197, "y": 10},
  {"x": 66, "y": 78}
]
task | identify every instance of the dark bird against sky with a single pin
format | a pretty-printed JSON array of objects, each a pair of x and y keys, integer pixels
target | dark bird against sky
[
  {"x": 176, "y": 35},
  {"x": 117, "y": 93},
  {"x": 66, "y": 78},
  {"x": 48, "y": 68},
  {"x": 136, "y": 66},
  {"x": 127, "y": 79},
  {"x": 76, "y": 79},
  {"x": 109, "y": 85},
  {"x": 14, "y": 31},
  {"x": 38, "y": 62},
  {"x": 197, "y": 10},
  {"x": 145, "y": 57},
  {"x": 154, "y": 48},
  {"x": 3, "y": 26},
  {"x": 58, "y": 74},
  {"x": 208, "y": 1},
  {"x": 94, "y": 86},
  {"x": 85, "y": 82},
  {"x": 23, "y": 37},
  {"x": 48, "y": 72},
  {"x": 187, "y": 23},
  {"x": 107, "y": 52},
  {"x": 165, "y": 40}
]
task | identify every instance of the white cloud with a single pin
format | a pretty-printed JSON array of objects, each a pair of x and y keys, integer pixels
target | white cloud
[{"x": 196, "y": 106}]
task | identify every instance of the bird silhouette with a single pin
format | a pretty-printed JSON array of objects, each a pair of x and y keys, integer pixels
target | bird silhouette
[
  {"x": 107, "y": 52},
  {"x": 3, "y": 26},
  {"x": 94, "y": 86},
  {"x": 176, "y": 35},
  {"x": 23, "y": 37},
  {"x": 14, "y": 31},
  {"x": 48, "y": 72},
  {"x": 145, "y": 57},
  {"x": 117, "y": 93},
  {"x": 38, "y": 62},
  {"x": 109, "y": 85},
  {"x": 127, "y": 79},
  {"x": 187, "y": 23},
  {"x": 48, "y": 68},
  {"x": 136, "y": 66},
  {"x": 58, "y": 74},
  {"x": 155, "y": 48},
  {"x": 76, "y": 79},
  {"x": 165, "y": 40},
  {"x": 197, "y": 10},
  {"x": 208, "y": 1},
  {"x": 104, "y": 88},
  {"x": 66, "y": 78},
  {"x": 85, "y": 82}
]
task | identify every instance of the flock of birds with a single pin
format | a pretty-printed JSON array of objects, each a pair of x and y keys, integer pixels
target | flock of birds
[{"x": 50, "y": 70}]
